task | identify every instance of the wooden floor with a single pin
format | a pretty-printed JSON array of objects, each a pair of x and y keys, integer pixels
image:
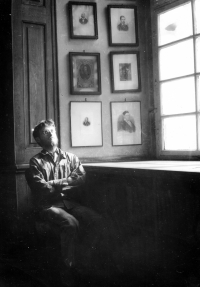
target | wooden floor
[{"x": 25, "y": 266}]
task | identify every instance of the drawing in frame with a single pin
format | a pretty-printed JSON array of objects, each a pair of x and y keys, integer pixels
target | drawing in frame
[
  {"x": 86, "y": 124},
  {"x": 126, "y": 123},
  {"x": 85, "y": 73},
  {"x": 83, "y": 20},
  {"x": 123, "y": 25},
  {"x": 125, "y": 72}
]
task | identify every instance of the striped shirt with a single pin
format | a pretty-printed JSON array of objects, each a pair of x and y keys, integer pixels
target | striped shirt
[{"x": 49, "y": 172}]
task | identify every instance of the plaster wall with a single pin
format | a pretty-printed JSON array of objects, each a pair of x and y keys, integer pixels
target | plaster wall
[{"x": 101, "y": 45}]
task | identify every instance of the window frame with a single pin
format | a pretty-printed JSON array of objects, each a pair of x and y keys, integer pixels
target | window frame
[{"x": 166, "y": 154}]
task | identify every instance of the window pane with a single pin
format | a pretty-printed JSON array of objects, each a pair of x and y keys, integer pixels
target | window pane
[
  {"x": 198, "y": 54},
  {"x": 176, "y": 60},
  {"x": 175, "y": 24},
  {"x": 196, "y": 16},
  {"x": 199, "y": 132},
  {"x": 178, "y": 96},
  {"x": 198, "y": 92},
  {"x": 179, "y": 133}
]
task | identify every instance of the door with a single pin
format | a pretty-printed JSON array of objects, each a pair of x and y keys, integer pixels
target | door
[
  {"x": 34, "y": 71},
  {"x": 34, "y": 82}
]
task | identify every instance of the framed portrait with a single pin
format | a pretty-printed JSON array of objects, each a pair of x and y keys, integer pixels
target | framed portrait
[
  {"x": 123, "y": 25},
  {"x": 86, "y": 124},
  {"x": 85, "y": 73},
  {"x": 125, "y": 72},
  {"x": 83, "y": 20},
  {"x": 126, "y": 123}
]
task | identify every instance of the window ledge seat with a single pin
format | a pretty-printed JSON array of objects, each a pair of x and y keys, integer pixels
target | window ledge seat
[{"x": 179, "y": 166}]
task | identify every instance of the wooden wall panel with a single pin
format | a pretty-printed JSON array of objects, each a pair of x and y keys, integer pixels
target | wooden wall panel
[
  {"x": 35, "y": 73},
  {"x": 34, "y": 85},
  {"x": 152, "y": 218},
  {"x": 34, "y": 77},
  {"x": 155, "y": 216},
  {"x": 23, "y": 196}
]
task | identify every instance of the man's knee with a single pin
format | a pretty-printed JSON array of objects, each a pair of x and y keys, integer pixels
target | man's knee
[
  {"x": 60, "y": 217},
  {"x": 70, "y": 223}
]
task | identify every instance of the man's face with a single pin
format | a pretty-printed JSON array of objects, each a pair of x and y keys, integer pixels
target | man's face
[
  {"x": 127, "y": 117},
  {"x": 48, "y": 137},
  {"x": 123, "y": 20}
]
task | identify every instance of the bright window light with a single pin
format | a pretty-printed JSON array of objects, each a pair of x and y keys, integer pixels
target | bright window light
[
  {"x": 176, "y": 60},
  {"x": 173, "y": 25},
  {"x": 178, "y": 96},
  {"x": 198, "y": 54},
  {"x": 196, "y": 16},
  {"x": 179, "y": 77},
  {"x": 180, "y": 133}
]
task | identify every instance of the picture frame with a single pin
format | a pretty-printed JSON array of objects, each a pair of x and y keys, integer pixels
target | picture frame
[
  {"x": 85, "y": 73},
  {"x": 33, "y": 2},
  {"x": 123, "y": 25},
  {"x": 125, "y": 72},
  {"x": 126, "y": 123},
  {"x": 83, "y": 20},
  {"x": 86, "y": 124}
]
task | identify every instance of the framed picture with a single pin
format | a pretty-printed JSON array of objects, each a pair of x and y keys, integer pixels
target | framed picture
[
  {"x": 123, "y": 28},
  {"x": 86, "y": 124},
  {"x": 126, "y": 123},
  {"x": 85, "y": 73},
  {"x": 125, "y": 72},
  {"x": 83, "y": 20}
]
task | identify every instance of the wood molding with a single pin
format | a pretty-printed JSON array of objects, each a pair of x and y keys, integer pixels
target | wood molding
[
  {"x": 114, "y": 159},
  {"x": 157, "y": 4}
]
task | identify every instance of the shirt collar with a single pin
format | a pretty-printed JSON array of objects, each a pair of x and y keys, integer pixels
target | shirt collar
[{"x": 58, "y": 150}]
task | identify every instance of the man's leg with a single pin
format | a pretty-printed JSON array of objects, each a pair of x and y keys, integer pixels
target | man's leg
[
  {"x": 67, "y": 227},
  {"x": 94, "y": 249}
]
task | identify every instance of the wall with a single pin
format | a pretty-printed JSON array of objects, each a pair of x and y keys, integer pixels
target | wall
[
  {"x": 66, "y": 45},
  {"x": 6, "y": 90}
]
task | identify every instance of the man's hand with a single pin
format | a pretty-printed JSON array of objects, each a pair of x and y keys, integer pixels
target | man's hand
[
  {"x": 58, "y": 182},
  {"x": 58, "y": 185},
  {"x": 64, "y": 182}
]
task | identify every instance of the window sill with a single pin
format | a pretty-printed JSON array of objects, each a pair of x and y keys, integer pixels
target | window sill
[{"x": 179, "y": 166}]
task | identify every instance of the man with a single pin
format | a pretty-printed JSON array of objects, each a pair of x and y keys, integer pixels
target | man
[
  {"x": 85, "y": 71},
  {"x": 122, "y": 26},
  {"x": 83, "y": 19},
  {"x": 126, "y": 122},
  {"x": 55, "y": 176},
  {"x": 125, "y": 74}
]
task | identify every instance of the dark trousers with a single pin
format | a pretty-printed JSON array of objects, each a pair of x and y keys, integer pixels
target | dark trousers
[{"x": 84, "y": 236}]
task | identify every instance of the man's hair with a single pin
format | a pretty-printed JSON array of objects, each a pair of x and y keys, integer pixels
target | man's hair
[
  {"x": 38, "y": 127},
  {"x": 121, "y": 17},
  {"x": 125, "y": 112}
]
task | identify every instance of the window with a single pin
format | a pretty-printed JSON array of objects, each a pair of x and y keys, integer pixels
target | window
[{"x": 178, "y": 55}]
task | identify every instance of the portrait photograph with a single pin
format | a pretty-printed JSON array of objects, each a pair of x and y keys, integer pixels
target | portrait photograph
[
  {"x": 83, "y": 20},
  {"x": 85, "y": 73},
  {"x": 86, "y": 124},
  {"x": 125, "y": 72},
  {"x": 126, "y": 123},
  {"x": 123, "y": 29}
]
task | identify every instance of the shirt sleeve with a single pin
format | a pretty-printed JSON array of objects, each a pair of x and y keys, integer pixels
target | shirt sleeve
[
  {"x": 77, "y": 173},
  {"x": 37, "y": 181},
  {"x": 76, "y": 176}
]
